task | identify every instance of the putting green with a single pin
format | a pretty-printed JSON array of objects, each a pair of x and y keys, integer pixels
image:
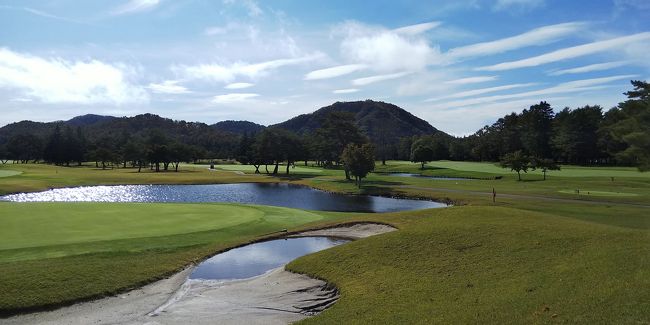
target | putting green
[
  {"x": 597, "y": 193},
  {"x": 26, "y": 225},
  {"x": 7, "y": 173}
]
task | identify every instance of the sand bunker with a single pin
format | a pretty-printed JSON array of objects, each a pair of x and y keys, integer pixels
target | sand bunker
[{"x": 277, "y": 297}]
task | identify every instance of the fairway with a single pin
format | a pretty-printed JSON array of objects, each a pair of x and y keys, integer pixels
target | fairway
[
  {"x": 566, "y": 171},
  {"x": 596, "y": 193},
  {"x": 7, "y": 172}
]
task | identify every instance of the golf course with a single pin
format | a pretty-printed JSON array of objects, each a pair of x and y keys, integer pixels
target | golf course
[{"x": 539, "y": 254}]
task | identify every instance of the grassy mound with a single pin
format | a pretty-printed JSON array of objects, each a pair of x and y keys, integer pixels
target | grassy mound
[{"x": 488, "y": 265}]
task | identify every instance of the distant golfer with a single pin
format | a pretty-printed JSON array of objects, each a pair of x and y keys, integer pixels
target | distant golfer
[{"x": 494, "y": 195}]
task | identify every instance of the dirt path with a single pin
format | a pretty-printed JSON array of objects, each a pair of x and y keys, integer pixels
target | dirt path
[{"x": 277, "y": 297}]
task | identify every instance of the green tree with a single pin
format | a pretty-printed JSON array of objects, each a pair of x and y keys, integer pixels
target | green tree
[
  {"x": 359, "y": 160},
  {"x": 421, "y": 153},
  {"x": 544, "y": 164},
  {"x": 337, "y": 130},
  {"x": 632, "y": 130},
  {"x": 517, "y": 161}
]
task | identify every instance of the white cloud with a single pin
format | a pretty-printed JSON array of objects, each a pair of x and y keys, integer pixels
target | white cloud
[
  {"x": 228, "y": 73},
  {"x": 135, "y": 6},
  {"x": 55, "y": 80},
  {"x": 168, "y": 87},
  {"x": 417, "y": 29},
  {"x": 522, "y": 5},
  {"x": 471, "y": 80},
  {"x": 383, "y": 77},
  {"x": 480, "y": 91},
  {"x": 239, "y": 85},
  {"x": 589, "y": 68},
  {"x": 334, "y": 72},
  {"x": 538, "y": 36},
  {"x": 385, "y": 50},
  {"x": 570, "y": 52},
  {"x": 345, "y": 91},
  {"x": 563, "y": 88},
  {"x": 234, "y": 97}
]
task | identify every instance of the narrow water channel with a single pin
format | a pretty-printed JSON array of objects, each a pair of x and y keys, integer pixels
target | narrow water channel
[{"x": 258, "y": 258}]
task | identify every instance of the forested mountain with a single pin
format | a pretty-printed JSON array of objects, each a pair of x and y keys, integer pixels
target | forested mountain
[
  {"x": 583, "y": 135},
  {"x": 238, "y": 127},
  {"x": 377, "y": 120},
  {"x": 88, "y": 119}
]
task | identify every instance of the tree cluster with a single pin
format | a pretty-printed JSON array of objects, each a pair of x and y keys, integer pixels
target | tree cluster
[{"x": 583, "y": 136}]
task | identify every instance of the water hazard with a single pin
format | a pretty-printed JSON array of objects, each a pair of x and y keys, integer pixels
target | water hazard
[
  {"x": 284, "y": 195},
  {"x": 259, "y": 258}
]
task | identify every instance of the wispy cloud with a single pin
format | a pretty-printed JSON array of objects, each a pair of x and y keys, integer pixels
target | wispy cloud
[
  {"x": 345, "y": 91},
  {"x": 383, "y": 77},
  {"x": 135, "y": 6},
  {"x": 471, "y": 80},
  {"x": 570, "y": 52},
  {"x": 228, "y": 73},
  {"x": 42, "y": 14},
  {"x": 334, "y": 72},
  {"x": 480, "y": 91},
  {"x": 168, "y": 87},
  {"x": 239, "y": 85},
  {"x": 417, "y": 29},
  {"x": 589, "y": 68},
  {"x": 233, "y": 98},
  {"x": 538, "y": 36},
  {"x": 563, "y": 88},
  {"x": 55, "y": 80}
]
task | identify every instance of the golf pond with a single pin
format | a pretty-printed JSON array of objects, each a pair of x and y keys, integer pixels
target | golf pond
[{"x": 254, "y": 259}]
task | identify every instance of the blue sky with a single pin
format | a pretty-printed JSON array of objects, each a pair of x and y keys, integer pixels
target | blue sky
[{"x": 457, "y": 64}]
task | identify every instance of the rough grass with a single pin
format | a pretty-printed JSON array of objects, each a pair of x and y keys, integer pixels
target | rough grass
[{"x": 487, "y": 265}]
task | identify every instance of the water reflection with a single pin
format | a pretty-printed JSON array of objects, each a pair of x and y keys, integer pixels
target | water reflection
[
  {"x": 285, "y": 195},
  {"x": 256, "y": 259}
]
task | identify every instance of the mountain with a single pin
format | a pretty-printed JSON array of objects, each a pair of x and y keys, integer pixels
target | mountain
[
  {"x": 376, "y": 119},
  {"x": 88, "y": 119},
  {"x": 238, "y": 127}
]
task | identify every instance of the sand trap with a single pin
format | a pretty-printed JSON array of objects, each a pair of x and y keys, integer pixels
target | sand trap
[{"x": 277, "y": 297}]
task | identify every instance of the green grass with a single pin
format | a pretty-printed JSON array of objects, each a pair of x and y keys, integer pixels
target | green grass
[
  {"x": 80, "y": 242},
  {"x": 596, "y": 193},
  {"x": 472, "y": 265},
  {"x": 7, "y": 173},
  {"x": 479, "y": 262}
]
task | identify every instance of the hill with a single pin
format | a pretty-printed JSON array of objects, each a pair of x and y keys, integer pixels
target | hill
[
  {"x": 238, "y": 127},
  {"x": 88, "y": 119},
  {"x": 376, "y": 119}
]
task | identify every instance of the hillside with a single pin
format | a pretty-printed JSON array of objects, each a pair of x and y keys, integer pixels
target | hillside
[
  {"x": 375, "y": 119},
  {"x": 88, "y": 119},
  {"x": 238, "y": 127}
]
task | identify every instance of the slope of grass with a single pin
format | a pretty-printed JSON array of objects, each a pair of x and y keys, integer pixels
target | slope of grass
[
  {"x": 55, "y": 253},
  {"x": 473, "y": 265}
]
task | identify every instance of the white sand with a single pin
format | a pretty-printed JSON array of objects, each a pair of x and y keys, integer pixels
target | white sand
[{"x": 277, "y": 297}]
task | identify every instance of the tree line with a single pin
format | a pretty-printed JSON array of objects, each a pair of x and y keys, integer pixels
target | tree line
[{"x": 582, "y": 136}]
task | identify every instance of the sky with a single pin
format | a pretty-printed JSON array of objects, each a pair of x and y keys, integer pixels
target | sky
[{"x": 458, "y": 64}]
